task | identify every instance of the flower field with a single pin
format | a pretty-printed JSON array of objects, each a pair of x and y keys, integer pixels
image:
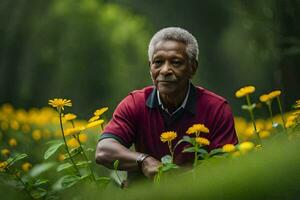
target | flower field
[{"x": 48, "y": 153}]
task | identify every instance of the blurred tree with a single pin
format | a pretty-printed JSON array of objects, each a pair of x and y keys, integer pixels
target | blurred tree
[
  {"x": 289, "y": 43},
  {"x": 240, "y": 41},
  {"x": 84, "y": 50}
]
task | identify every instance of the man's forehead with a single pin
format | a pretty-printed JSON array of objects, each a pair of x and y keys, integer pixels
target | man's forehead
[{"x": 174, "y": 46}]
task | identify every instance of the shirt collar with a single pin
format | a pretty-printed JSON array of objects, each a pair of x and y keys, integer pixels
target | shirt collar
[
  {"x": 182, "y": 105},
  {"x": 188, "y": 104}
]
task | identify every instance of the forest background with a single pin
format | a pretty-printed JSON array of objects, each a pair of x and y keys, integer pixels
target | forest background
[{"x": 95, "y": 51}]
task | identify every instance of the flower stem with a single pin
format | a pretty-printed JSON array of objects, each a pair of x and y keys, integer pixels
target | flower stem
[
  {"x": 281, "y": 113},
  {"x": 252, "y": 118},
  {"x": 24, "y": 184},
  {"x": 270, "y": 111},
  {"x": 171, "y": 152},
  {"x": 66, "y": 146},
  {"x": 83, "y": 152},
  {"x": 196, "y": 155}
]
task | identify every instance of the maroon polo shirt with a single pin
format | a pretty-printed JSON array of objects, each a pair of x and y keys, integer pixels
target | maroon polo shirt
[{"x": 140, "y": 120}]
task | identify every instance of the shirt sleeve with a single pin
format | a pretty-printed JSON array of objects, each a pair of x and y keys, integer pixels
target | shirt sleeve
[
  {"x": 224, "y": 131},
  {"x": 122, "y": 126}
]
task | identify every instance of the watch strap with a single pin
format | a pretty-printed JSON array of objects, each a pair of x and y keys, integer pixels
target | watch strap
[{"x": 141, "y": 157}]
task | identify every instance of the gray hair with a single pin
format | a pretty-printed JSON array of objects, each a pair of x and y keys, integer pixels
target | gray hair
[{"x": 177, "y": 34}]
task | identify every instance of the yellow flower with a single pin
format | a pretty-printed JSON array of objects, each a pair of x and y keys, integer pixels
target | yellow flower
[
  {"x": 26, "y": 166},
  {"x": 296, "y": 113},
  {"x": 246, "y": 146},
  {"x": 168, "y": 136},
  {"x": 202, "y": 141},
  {"x": 25, "y": 128},
  {"x": 249, "y": 132},
  {"x": 264, "y": 134},
  {"x": 227, "y": 148},
  {"x": 61, "y": 157},
  {"x": 274, "y": 94},
  {"x": 14, "y": 125},
  {"x": 94, "y": 118},
  {"x": 4, "y": 125},
  {"x": 197, "y": 128},
  {"x": 289, "y": 124},
  {"x": 74, "y": 131},
  {"x": 83, "y": 137},
  {"x": 240, "y": 125},
  {"x": 95, "y": 123},
  {"x": 297, "y": 104},
  {"x": 12, "y": 142},
  {"x": 60, "y": 103},
  {"x": 291, "y": 121},
  {"x": 36, "y": 135},
  {"x": 100, "y": 111},
  {"x": 264, "y": 98},
  {"x": 72, "y": 143},
  {"x": 7, "y": 108},
  {"x": 5, "y": 152},
  {"x": 3, "y": 166},
  {"x": 244, "y": 91},
  {"x": 70, "y": 116},
  {"x": 291, "y": 118}
]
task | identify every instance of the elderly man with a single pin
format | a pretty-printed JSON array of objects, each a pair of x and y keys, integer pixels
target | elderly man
[{"x": 172, "y": 104}]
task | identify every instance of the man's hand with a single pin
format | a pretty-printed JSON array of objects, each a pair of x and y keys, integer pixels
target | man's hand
[{"x": 150, "y": 167}]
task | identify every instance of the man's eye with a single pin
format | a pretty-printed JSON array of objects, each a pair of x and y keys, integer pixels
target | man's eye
[
  {"x": 157, "y": 62},
  {"x": 176, "y": 63}
]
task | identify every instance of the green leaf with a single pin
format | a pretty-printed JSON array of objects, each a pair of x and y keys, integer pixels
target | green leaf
[
  {"x": 168, "y": 167},
  {"x": 75, "y": 151},
  {"x": 19, "y": 156},
  {"x": 189, "y": 149},
  {"x": 39, "y": 182},
  {"x": 16, "y": 158},
  {"x": 90, "y": 149},
  {"x": 85, "y": 176},
  {"x": 63, "y": 166},
  {"x": 83, "y": 163},
  {"x": 185, "y": 139},
  {"x": 52, "y": 149},
  {"x": 116, "y": 164},
  {"x": 38, "y": 193},
  {"x": 103, "y": 180},
  {"x": 69, "y": 180},
  {"x": 251, "y": 107},
  {"x": 40, "y": 168},
  {"x": 202, "y": 151},
  {"x": 167, "y": 159},
  {"x": 53, "y": 142},
  {"x": 215, "y": 151}
]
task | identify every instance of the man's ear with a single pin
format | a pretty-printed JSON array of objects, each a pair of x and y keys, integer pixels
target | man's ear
[{"x": 194, "y": 67}]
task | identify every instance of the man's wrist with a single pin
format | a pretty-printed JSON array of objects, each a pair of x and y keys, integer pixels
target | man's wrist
[{"x": 140, "y": 159}]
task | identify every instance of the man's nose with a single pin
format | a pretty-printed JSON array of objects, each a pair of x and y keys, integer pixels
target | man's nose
[{"x": 166, "y": 69}]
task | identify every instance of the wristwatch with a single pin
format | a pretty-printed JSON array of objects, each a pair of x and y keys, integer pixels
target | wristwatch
[{"x": 141, "y": 157}]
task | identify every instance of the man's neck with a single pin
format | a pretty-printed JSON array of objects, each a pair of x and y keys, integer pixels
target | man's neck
[{"x": 172, "y": 101}]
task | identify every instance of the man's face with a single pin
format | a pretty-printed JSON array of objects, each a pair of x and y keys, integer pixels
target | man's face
[{"x": 170, "y": 67}]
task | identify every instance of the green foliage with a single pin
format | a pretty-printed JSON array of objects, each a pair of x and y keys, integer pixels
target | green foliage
[
  {"x": 53, "y": 148},
  {"x": 69, "y": 180},
  {"x": 41, "y": 168},
  {"x": 73, "y": 48},
  {"x": 12, "y": 160}
]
